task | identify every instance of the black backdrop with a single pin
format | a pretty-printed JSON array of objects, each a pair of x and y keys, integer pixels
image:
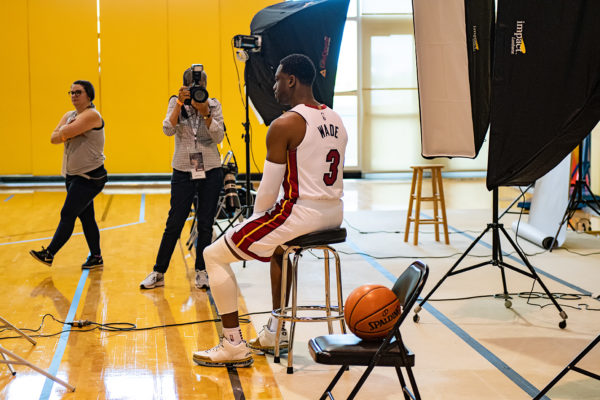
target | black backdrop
[
  {"x": 545, "y": 86},
  {"x": 313, "y": 28}
]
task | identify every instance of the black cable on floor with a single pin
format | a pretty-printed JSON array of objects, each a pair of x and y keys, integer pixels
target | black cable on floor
[{"x": 113, "y": 326}]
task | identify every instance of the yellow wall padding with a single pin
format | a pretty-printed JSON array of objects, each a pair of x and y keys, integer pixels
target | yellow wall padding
[
  {"x": 145, "y": 45},
  {"x": 62, "y": 49},
  {"x": 15, "y": 118}
]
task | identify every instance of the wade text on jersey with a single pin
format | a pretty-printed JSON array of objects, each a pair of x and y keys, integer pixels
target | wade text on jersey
[{"x": 328, "y": 130}]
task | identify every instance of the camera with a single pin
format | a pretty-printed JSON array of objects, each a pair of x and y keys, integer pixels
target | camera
[
  {"x": 231, "y": 198},
  {"x": 247, "y": 42},
  {"x": 197, "y": 92}
]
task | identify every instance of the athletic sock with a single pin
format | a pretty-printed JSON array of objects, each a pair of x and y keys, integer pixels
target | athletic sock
[
  {"x": 273, "y": 324},
  {"x": 233, "y": 335}
]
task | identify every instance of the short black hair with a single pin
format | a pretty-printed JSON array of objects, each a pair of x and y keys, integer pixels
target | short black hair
[
  {"x": 88, "y": 87},
  {"x": 300, "y": 66}
]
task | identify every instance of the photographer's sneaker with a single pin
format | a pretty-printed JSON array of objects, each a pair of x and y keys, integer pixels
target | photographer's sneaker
[
  {"x": 265, "y": 341},
  {"x": 43, "y": 256},
  {"x": 93, "y": 262},
  {"x": 225, "y": 354},
  {"x": 202, "y": 279},
  {"x": 154, "y": 279}
]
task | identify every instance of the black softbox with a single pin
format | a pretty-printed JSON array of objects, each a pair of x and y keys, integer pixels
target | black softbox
[
  {"x": 454, "y": 57},
  {"x": 545, "y": 86},
  {"x": 312, "y": 28}
]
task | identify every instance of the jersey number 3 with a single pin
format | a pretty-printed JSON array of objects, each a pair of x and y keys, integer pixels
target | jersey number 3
[{"x": 333, "y": 158}]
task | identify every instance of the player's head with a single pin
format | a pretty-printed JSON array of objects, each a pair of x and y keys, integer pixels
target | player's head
[{"x": 294, "y": 71}]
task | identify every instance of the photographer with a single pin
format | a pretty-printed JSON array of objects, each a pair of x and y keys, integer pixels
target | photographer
[
  {"x": 198, "y": 128},
  {"x": 82, "y": 132}
]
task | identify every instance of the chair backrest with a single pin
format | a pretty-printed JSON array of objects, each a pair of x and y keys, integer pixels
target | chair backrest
[{"x": 409, "y": 285}]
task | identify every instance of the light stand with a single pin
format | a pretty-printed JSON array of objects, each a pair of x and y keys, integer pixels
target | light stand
[
  {"x": 577, "y": 199},
  {"x": 496, "y": 261},
  {"x": 14, "y": 359},
  {"x": 246, "y": 136}
]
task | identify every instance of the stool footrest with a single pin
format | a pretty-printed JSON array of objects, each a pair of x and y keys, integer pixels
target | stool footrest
[
  {"x": 428, "y": 221},
  {"x": 287, "y": 317},
  {"x": 436, "y": 198}
]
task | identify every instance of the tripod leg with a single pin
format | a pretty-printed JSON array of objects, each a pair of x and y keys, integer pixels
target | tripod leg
[
  {"x": 34, "y": 367},
  {"x": 562, "y": 324},
  {"x": 231, "y": 222},
  {"x": 10, "y": 367},
  {"x": 567, "y": 369},
  {"x": 507, "y": 302},
  {"x": 450, "y": 272},
  {"x": 593, "y": 201},
  {"x": 498, "y": 261},
  {"x": 20, "y": 332},
  {"x": 569, "y": 212}
]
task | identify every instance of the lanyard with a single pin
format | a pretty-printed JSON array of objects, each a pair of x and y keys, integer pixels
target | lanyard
[{"x": 194, "y": 126}]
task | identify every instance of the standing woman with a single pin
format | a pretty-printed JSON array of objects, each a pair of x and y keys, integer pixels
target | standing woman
[
  {"x": 82, "y": 132},
  {"x": 197, "y": 173}
]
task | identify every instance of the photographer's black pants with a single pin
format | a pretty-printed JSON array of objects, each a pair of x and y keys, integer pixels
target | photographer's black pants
[
  {"x": 183, "y": 190},
  {"x": 80, "y": 203}
]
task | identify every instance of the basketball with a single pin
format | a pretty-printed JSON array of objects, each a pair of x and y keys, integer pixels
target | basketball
[{"x": 371, "y": 311}]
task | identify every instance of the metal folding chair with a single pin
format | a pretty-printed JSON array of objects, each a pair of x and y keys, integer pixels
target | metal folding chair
[{"x": 348, "y": 349}]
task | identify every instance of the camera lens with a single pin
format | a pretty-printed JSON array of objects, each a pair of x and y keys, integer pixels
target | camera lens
[
  {"x": 232, "y": 201},
  {"x": 199, "y": 94}
]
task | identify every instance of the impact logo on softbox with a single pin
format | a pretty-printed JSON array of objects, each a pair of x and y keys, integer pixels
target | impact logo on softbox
[
  {"x": 517, "y": 40},
  {"x": 324, "y": 54},
  {"x": 475, "y": 41}
]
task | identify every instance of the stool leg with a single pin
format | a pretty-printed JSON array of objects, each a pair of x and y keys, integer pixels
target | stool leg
[
  {"x": 418, "y": 205},
  {"x": 282, "y": 309},
  {"x": 340, "y": 299},
  {"x": 327, "y": 291},
  {"x": 443, "y": 206},
  {"x": 290, "y": 367},
  {"x": 410, "y": 205},
  {"x": 436, "y": 197}
]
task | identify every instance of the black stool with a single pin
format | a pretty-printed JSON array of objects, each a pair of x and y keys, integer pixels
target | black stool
[{"x": 319, "y": 240}]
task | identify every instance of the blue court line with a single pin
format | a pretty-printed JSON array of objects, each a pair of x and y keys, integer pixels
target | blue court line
[
  {"x": 478, "y": 347},
  {"x": 142, "y": 209},
  {"x": 9, "y": 197},
  {"x": 140, "y": 221},
  {"x": 64, "y": 337}
]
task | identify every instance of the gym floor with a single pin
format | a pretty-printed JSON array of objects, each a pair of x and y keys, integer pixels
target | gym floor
[{"x": 465, "y": 349}]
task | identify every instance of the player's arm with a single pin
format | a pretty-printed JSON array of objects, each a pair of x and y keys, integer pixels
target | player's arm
[
  {"x": 274, "y": 168},
  {"x": 280, "y": 137}
]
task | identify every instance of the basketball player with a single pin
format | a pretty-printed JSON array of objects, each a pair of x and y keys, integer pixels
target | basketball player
[{"x": 305, "y": 155}]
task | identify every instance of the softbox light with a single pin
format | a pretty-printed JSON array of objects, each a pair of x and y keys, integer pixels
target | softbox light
[
  {"x": 453, "y": 46},
  {"x": 545, "y": 88},
  {"x": 312, "y": 28}
]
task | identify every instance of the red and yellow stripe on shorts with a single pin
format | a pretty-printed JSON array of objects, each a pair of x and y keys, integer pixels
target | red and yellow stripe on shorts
[{"x": 255, "y": 230}]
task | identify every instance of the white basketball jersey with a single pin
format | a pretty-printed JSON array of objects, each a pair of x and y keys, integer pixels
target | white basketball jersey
[{"x": 317, "y": 164}]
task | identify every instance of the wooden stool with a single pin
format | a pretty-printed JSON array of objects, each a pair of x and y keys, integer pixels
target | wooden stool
[{"x": 437, "y": 197}]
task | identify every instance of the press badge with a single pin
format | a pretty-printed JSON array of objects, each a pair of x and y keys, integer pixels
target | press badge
[{"x": 197, "y": 163}]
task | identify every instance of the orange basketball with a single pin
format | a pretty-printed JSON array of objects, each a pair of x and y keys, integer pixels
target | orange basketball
[{"x": 371, "y": 311}]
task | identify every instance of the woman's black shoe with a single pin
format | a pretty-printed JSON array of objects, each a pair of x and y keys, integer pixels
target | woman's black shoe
[
  {"x": 93, "y": 262},
  {"x": 43, "y": 256}
]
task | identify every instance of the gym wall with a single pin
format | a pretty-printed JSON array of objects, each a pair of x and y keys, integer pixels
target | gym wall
[{"x": 138, "y": 63}]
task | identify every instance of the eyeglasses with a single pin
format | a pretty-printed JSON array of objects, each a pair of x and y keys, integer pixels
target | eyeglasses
[{"x": 74, "y": 92}]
